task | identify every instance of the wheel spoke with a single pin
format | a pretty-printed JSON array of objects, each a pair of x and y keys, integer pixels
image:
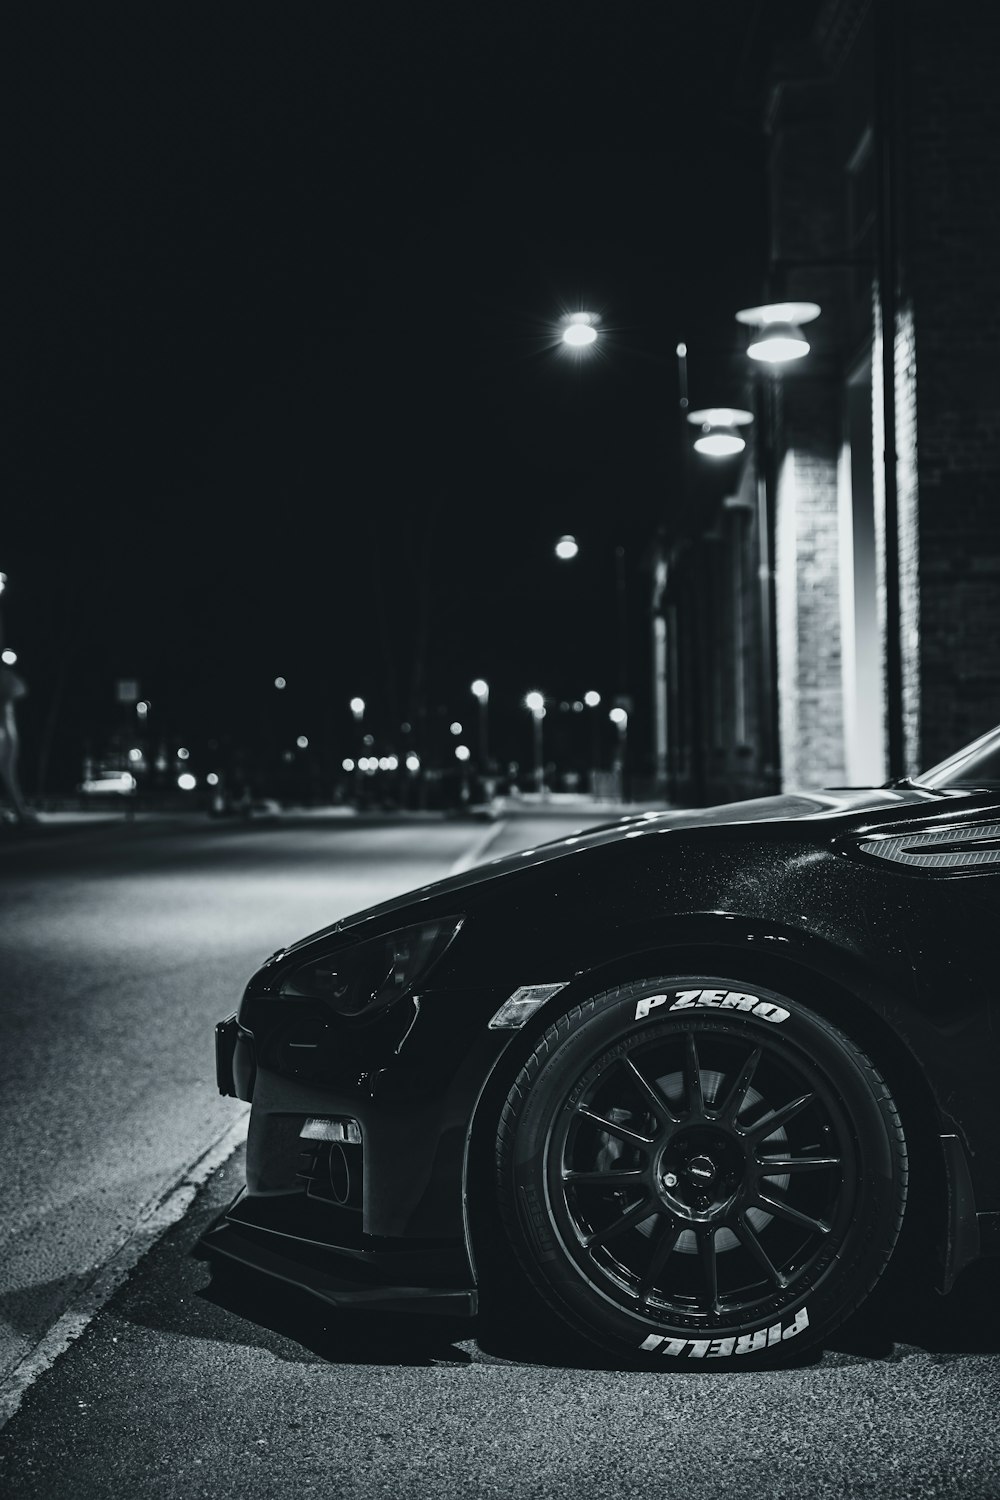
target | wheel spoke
[
  {"x": 627, "y": 1220},
  {"x": 631, "y": 1137},
  {"x": 747, "y": 1236},
  {"x": 709, "y": 1265},
  {"x": 740, "y": 1089},
  {"x": 654, "y": 1099},
  {"x": 778, "y": 1117},
  {"x": 775, "y": 1166},
  {"x": 665, "y": 1245},
  {"x": 793, "y": 1215},
  {"x": 692, "y": 1077},
  {"x": 608, "y": 1178}
]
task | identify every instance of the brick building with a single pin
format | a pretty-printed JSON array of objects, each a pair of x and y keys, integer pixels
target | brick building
[{"x": 882, "y": 634}]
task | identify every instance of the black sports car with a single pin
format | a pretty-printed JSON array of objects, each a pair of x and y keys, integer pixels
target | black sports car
[{"x": 695, "y": 1071}]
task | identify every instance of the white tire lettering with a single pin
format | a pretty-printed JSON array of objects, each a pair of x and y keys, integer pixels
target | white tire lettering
[
  {"x": 747, "y": 1343},
  {"x": 801, "y": 1321},
  {"x": 767, "y": 1011},
  {"x": 648, "y": 1003}
]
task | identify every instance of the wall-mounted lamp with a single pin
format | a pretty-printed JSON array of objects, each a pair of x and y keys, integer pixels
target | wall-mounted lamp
[
  {"x": 778, "y": 336},
  {"x": 719, "y": 436}
]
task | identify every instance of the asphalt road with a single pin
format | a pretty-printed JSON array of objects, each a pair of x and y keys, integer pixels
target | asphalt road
[
  {"x": 120, "y": 947},
  {"x": 119, "y": 950}
]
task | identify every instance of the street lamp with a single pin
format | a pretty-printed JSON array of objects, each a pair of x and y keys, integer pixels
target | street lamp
[
  {"x": 536, "y": 704},
  {"x": 579, "y": 330},
  {"x": 619, "y": 719},
  {"x": 719, "y": 435},
  {"x": 481, "y": 692},
  {"x": 778, "y": 338}
]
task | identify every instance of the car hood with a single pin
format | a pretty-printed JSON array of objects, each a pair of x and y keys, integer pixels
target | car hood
[{"x": 785, "y": 808}]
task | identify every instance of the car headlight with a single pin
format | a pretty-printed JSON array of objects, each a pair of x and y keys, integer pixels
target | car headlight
[{"x": 371, "y": 975}]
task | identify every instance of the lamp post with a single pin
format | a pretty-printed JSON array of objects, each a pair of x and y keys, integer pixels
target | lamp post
[
  {"x": 619, "y": 718},
  {"x": 535, "y": 703},
  {"x": 481, "y": 692}
]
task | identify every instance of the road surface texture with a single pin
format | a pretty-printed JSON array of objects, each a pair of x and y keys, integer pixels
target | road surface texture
[{"x": 121, "y": 948}]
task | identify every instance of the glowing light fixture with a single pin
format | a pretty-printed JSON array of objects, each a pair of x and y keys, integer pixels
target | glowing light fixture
[
  {"x": 8, "y": 658},
  {"x": 566, "y": 548},
  {"x": 481, "y": 690},
  {"x": 279, "y": 683},
  {"x": 462, "y": 752},
  {"x": 302, "y": 742},
  {"x": 187, "y": 782},
  {"x": 357, "y": 707},
  {"x": 183, "y": 754},
  {"x": 347, "y": 763},
  {"x": 212, "y": 778},
  {"x": 578, "y": 330},
  {"x": 778, "y": 338},
  {"x": 455, "y": 728},
  {"x": 535, "y": 702},
  {"x": 618, "y": 716},
  {"x": 413, "y": 762},
  {"x": 592, "y": 699},
  {"x": 719, "y": 426}
]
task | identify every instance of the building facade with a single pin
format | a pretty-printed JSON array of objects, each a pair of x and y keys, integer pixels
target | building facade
[{"x": 837, "y": 619}]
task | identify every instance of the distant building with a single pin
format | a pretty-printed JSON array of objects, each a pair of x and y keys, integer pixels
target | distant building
[{"x": 884, "y": 165}]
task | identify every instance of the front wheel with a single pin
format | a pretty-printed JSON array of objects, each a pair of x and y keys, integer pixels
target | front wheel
[{"x": 693, "y": 1168}]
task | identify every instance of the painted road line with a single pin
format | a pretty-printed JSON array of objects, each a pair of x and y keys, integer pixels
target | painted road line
[
  {"x": 106, "y": 1278},
  {"x": 474, "y": 855}
]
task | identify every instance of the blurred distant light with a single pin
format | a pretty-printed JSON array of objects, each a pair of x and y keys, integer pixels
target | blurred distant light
[
  {"x": 280, "y": 682},
  {"x": 383, "y": 763},
  {"x": 347, "y": 763},
  {"x": 413, "y": 762},
  {"x": 682, "y": 350},
  {"x": 481, "y": 689},
  {"x": 183, "y": 754},
  {"x": 719, "y": 435},
  {"x": 578, "y": 330},
  {"x": 455, "y": 728},
  {"x": 535, "y": 702},
  {"x": 368, "y": 740},
  {"x": 592, "y": 699},
  {"x": 578, "y": 706},
  {"x": 357, "y": 706},
  {"x": 135, "y": 753},
  {"x": 302, "y": 742},
  {"x": 8, "y": 657},
  {"x": 212, "y": 778},
  {"x": 392, "y": 763},
  {"x": 3, "y": 582},
  {"x": 618, "y": 716},
  {"x": 406, "y": 726},
  {"x": 567, "y": 547},
  {"x": 187, "y": 782},
  {"x": 142, "y": 708},
  {"x": 778, "y": 338},
  {"x": 462, "y": 752}
]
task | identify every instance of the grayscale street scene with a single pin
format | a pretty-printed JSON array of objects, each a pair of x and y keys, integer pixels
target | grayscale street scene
[{"x": 500, "y": 753}]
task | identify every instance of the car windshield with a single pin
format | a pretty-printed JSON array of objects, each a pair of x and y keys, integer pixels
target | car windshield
[{"x": 976, "y": 765}]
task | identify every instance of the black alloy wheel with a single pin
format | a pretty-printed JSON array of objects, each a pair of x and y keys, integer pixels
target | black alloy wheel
[{"x": 694, "y": 1167}]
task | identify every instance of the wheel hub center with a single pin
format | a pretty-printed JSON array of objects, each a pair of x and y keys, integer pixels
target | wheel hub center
[{"x": 699, "y": 1171}]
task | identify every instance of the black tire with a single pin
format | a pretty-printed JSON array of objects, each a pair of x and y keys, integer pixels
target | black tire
[{"x": 629, "y": 1159}]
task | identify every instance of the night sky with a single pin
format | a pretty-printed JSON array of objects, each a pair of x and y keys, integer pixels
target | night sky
[{"x": 283, "y": 351}]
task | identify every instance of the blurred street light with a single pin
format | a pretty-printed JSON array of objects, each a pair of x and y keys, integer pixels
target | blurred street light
[
  {"x": 567, "y": 547},
  {"x": 8, "y": 658},
  {"x": 455, "y": 727},
  {"x": 592, "y": 699},
  {"x": 579, "y": 331},
  {"x": 481, "y": 692},
  {"x": 619, "y": 719},
  {"x": 462, "y": 752},
  {"x": 719, "y": 436},
  {"x": 778, "y": 338},
  {"x": 357, "y": 706},
  {"x": 347, "y": 763},
  {"x": 302, "y": 742},
  {"x": 536, "y": 704},
  {"x": 183, "y": 754},
  {"x": 187, "y": 782},
  {"x": 279, "y": 683}
]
